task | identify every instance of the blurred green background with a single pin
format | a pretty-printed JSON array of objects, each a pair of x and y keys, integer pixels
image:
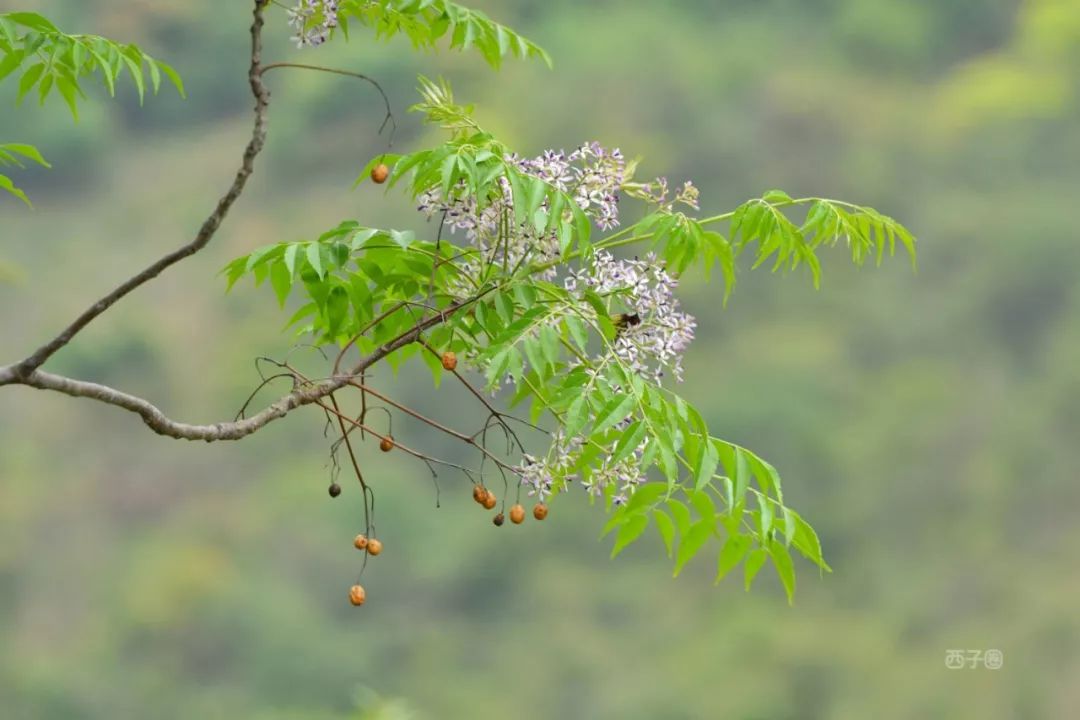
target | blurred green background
[{"x": 927, "y": 424}]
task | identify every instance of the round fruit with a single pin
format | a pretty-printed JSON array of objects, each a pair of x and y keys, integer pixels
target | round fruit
[
  {"x": 360, "y": 541},
  {"x": 449, "y": 360},
  {"x": 386, "y": 444},
  {"x": 489, "y": 500},
  {"x": 374, "y": 547},
  {"x": 357, "y": 596},
  {"x": 517, "y": 514},
  {"x": 478, "y": 493},
  {"x": 379, "y": 173},
  {"x": 334, "y": 490},
  {"x": 499, "y": 520},
  {"x": 540, "y": 511}
]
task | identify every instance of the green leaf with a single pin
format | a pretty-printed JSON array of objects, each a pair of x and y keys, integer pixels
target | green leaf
[
  {"x": 27, "y": 151},
  {"x": 807, "y": 543},
  {"x": 707, "y": 467},
  {"x": 290, "y": 258},
  {"x": 628, "y": 442},
  {"x": 32, "y": 21},
  {"x": 784, "y": 568},
  {"x": 644, "y": 498},
  {"x": 173, "y": 76},
  {"x": 614, "y": 412},
  {"x": 314, "y": 258},
  {"x": 754, "y": 562},
  {"x": 682, "y": 516},
  {"x": 9, "y": 186},
  {"x": 731, "y": 554},
  {"x": 776, "y": 196},
  {"x": 629, "y": 532},
  {"x": 576, "y": 416},
  {"x": 692, "y": 542},
  {"x": 666, "y": 528},
  {"x": 29, "y": 79}
]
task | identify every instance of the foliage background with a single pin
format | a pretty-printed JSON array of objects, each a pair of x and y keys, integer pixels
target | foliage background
[{"x": 926, "y": 424}]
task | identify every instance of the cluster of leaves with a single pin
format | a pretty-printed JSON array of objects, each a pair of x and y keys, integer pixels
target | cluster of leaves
[
  {"x": 638, "y": 447},
  {"x": 425, "y": 22},
  {"x": 54, "y": 60},
  {"x": 553, "y": 347}
]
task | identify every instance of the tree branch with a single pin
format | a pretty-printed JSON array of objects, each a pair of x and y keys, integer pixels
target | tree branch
[
  {"x": 157, "y": 421},
  {"x": 24, "y": 369}
]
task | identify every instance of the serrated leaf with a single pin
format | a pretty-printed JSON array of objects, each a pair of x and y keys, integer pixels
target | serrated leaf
[
  {"x": 613, "y": 413},
  {"x": 731, "y": 554},
  {"x": 314, "y": 258},
  {"x": 692, "y": 542},
  {"x": 576, "y": 416},
  {"x": 666, "y": 528},
  {"x": 754, "y": 562},
  {"x": 629, "y": 532},
  {"x": 707, "y": 466},
  {"x": 784, "y": 568}
]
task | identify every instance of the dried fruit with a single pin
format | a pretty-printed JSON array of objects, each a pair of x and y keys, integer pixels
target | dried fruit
[
  {"x": 360, "y": 541},
  {"x": 379, "y": 173},
  {"x": 334, "y": 490},
  {"x": 489, "y": 500},
  {"x": 357, "y": 596},
  {"x": 499, "y": 520},
  {"x": 386, "y": 444},
  {"x": 374, "y": 546},
  {"x": 478, "y": 493},
  {"x": 517, "y": 514},
  {"x": 540, "y": 511},
  {"x": 449, "y": 360}
]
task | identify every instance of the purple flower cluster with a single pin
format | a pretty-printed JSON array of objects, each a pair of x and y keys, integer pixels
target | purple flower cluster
[
  {"x": 625, "y": 476},
  {"x": 536, "y": 476},
  {"x": 313, "y": 21},
  {"x": 592, "y": 175},
  {"x": 540, "y": 476},
  {"x": 661, "y": 332},
  {"x": 492, "y": 230},
  {"x": 658, "y": 192}
]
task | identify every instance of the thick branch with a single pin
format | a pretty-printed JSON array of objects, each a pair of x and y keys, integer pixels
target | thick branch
[
  {"x": 24, "y": 369},
  {"x": 161, "y": 424}
]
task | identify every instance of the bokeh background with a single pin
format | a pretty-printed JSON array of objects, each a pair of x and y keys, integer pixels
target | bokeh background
[{"x": 927, "y": 423}]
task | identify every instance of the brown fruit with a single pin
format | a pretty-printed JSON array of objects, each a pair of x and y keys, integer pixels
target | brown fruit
[
  {"x": 360, "y": 541},
  {"x": 334, "y": 490},
  {"x": 540, "y": 511},
  {"x": 478, "y": 493},
  {"x": 379, "y": 173},
  {"x": 374, "y": 547},
  {"x": 449, "y": 360},
  {"x": 357, "y": 596},
  {"x": 499, "y": 520},
  {"x": 517, "y": 514},
  {"x": 489, "y": 500},
  {"x": 386, "y": 444}
]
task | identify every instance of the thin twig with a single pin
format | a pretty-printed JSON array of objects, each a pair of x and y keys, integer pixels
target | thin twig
[
  {"x": 389, "y": 118},
  {"x": 23, "y": 369}
]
